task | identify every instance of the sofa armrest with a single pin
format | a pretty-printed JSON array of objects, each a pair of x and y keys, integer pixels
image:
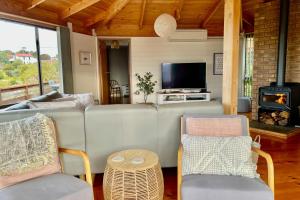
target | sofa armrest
[
  {"x": 269, "y": 164},
  {"x": 86, "y": 161}
]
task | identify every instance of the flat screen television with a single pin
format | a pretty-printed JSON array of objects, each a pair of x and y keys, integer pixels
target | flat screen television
[{"x": 183, "y": 75}]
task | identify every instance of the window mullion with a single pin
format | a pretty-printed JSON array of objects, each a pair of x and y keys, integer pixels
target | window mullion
[{"x": 37, "y": 42}]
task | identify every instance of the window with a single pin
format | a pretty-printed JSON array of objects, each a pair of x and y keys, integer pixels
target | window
[
  {"x": 29, "y": 64},
  {"x": 248, "y": 65}
]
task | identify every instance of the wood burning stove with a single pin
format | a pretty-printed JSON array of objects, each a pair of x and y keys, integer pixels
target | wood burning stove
[
  {"x": 274, "y": 97},
  {"x": 278, "y": 103}
]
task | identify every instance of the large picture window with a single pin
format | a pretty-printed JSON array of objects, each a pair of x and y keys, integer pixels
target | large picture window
[
  {"x": 248, "y": 66},
  {"x": 29, "y": 64}
]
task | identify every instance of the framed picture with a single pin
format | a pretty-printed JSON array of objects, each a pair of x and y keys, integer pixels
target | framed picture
[
  {"x": 85, "y": 58},
  {"x": 218, "y": 64}
]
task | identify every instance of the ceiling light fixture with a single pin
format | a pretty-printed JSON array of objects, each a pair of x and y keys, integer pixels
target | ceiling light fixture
[
  {"x": 115, "y": 44},
  {"x": 165, "y": 25}
]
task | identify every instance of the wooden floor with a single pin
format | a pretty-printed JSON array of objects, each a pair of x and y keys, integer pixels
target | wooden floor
[{"x": 286, "y": 157}]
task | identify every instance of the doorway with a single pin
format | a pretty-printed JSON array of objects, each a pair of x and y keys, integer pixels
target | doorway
[{"x": 114, "y": 73}]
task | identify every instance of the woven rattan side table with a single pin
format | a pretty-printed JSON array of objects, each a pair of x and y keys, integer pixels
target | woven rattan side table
[{"x": 133, "y": 174}]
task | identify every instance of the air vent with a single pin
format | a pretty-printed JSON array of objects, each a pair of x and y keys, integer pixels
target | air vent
[{"x": 189, "y": 35}]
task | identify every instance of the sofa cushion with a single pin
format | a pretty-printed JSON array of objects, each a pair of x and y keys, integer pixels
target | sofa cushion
[
  {"x": 47, "y": 97},
  {"x": 28, "y": 149},
  {"x": 218, "y": 155},
  {"x": 19, "y": 106},
  {"x": 216, "y": 187},
  {"x": 42, "y": 98},
  {"x": 54, "y": 95},
  {"x": 55, "y": 186},
  {"x": 123, "y": 126}
]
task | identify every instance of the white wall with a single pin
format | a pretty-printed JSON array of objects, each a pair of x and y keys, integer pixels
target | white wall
[
  {"x": 85, "y": 76},
  {"x": 147, "y": 54}
]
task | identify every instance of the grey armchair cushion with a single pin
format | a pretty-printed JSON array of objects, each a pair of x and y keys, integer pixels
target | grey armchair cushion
[
  {"x": 216, "y": 187},
  {"x": 51, "y": 187}
]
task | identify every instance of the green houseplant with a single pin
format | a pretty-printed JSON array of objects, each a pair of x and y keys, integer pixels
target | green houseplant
[{"x": 145, "y": 84}]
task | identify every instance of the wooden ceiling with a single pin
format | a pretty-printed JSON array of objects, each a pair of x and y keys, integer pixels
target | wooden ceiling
[{"x": 126, "y": 17}]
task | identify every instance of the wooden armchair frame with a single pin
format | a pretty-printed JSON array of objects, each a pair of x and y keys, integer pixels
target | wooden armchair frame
[
  {"x": 258, "y": 151},
  {"x": 86, "y": 161}
]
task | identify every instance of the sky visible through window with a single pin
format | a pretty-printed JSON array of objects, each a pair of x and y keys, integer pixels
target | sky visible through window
[{"x": 15, "y": 36}]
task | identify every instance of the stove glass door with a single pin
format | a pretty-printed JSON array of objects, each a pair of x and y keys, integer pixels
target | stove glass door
[{"x": 275, "y": 99}]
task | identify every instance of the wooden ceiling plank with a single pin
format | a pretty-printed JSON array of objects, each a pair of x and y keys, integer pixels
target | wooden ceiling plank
[
  {"x": 77, "y": 8},
  {"x": 112, "y": 11},
  {"x": 97, "y": 18},
  {"x": 35, "y": 3},
  {"x": 211, "y": 13},
  {"x": 178, "y": 9},
  {"x": 141, "y": 23}
]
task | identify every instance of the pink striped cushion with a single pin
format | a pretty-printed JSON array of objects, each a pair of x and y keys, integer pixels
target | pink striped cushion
[{"x": 214, "y": 126}]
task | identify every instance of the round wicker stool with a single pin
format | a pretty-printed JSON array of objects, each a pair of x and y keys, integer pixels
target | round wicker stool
[{"x": 133, "y": 174}]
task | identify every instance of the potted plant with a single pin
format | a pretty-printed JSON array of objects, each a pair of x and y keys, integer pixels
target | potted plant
[{"x": 145, "y": 85}]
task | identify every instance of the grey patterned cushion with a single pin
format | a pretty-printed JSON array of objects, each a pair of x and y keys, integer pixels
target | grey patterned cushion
[
  {"x": 28, "y": 149},
  {"x": 218, "y": 156}
]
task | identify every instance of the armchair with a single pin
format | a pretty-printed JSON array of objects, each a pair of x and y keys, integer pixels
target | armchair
[
  {"x": 55, "y": 186},
  {"x": 213, "y": 187}
]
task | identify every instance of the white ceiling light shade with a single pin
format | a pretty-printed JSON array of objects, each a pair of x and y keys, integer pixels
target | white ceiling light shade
[{"x": 165, "y": 25}]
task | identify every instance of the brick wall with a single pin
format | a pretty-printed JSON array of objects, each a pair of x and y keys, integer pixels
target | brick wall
[{"x": 266, "y": 29}]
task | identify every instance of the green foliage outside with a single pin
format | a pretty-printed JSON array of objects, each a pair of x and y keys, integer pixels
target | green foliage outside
[
  {"x": 145, "y": 84},
  {"x": 17, "y": 73},
  {"x": 4, "y": 57}
]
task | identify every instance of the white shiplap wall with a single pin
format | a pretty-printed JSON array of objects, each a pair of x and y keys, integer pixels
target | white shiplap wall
[
  {"x": 85, "y": 76},
  {"x": 147, "y": 54}
]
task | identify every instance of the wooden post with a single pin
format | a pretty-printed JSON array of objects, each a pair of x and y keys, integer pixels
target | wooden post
[
  {"x": 26, "y": 92},
  {"x": 232, "y": 15}
]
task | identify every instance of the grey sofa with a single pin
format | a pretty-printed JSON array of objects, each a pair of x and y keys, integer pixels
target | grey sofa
[{"x": 103, "y": 129}]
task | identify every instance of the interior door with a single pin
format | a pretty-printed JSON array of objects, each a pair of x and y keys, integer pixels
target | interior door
[{"x": 104, "y": 74}]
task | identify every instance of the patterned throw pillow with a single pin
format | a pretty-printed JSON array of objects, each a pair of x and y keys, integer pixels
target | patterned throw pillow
[
  {"x": 218, "y": 156},
  {"x": 28, "y": 149},
  {"x": 85, "y": 99}
]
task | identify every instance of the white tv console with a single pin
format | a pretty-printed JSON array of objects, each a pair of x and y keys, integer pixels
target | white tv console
[{"x": 182, "y": 97}]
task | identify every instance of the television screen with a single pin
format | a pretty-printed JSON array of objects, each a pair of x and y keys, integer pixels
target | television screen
[{"x": 183, "y": 75}]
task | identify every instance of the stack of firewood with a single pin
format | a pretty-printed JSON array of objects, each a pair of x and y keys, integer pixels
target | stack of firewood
[{"x": 275, "y": 118}]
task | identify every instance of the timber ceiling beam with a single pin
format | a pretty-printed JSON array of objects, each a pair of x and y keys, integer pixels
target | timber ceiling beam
[
  {"x": 143, "y": 8},
  {"x": 35, "y": 3},
  {"x": 178, "y": 9},
  {"x": 211, "y": 13},
  {"x": 81, "y": 5},
  {"x": 106, "y": 16}
]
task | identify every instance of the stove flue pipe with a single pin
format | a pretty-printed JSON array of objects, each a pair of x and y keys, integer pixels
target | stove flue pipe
[{"x": 282, "y": 41}]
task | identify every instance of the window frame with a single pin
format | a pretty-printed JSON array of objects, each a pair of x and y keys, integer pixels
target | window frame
[
  {"x": 247, "y": 80},
  {"x": 37, "y": 44}
]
